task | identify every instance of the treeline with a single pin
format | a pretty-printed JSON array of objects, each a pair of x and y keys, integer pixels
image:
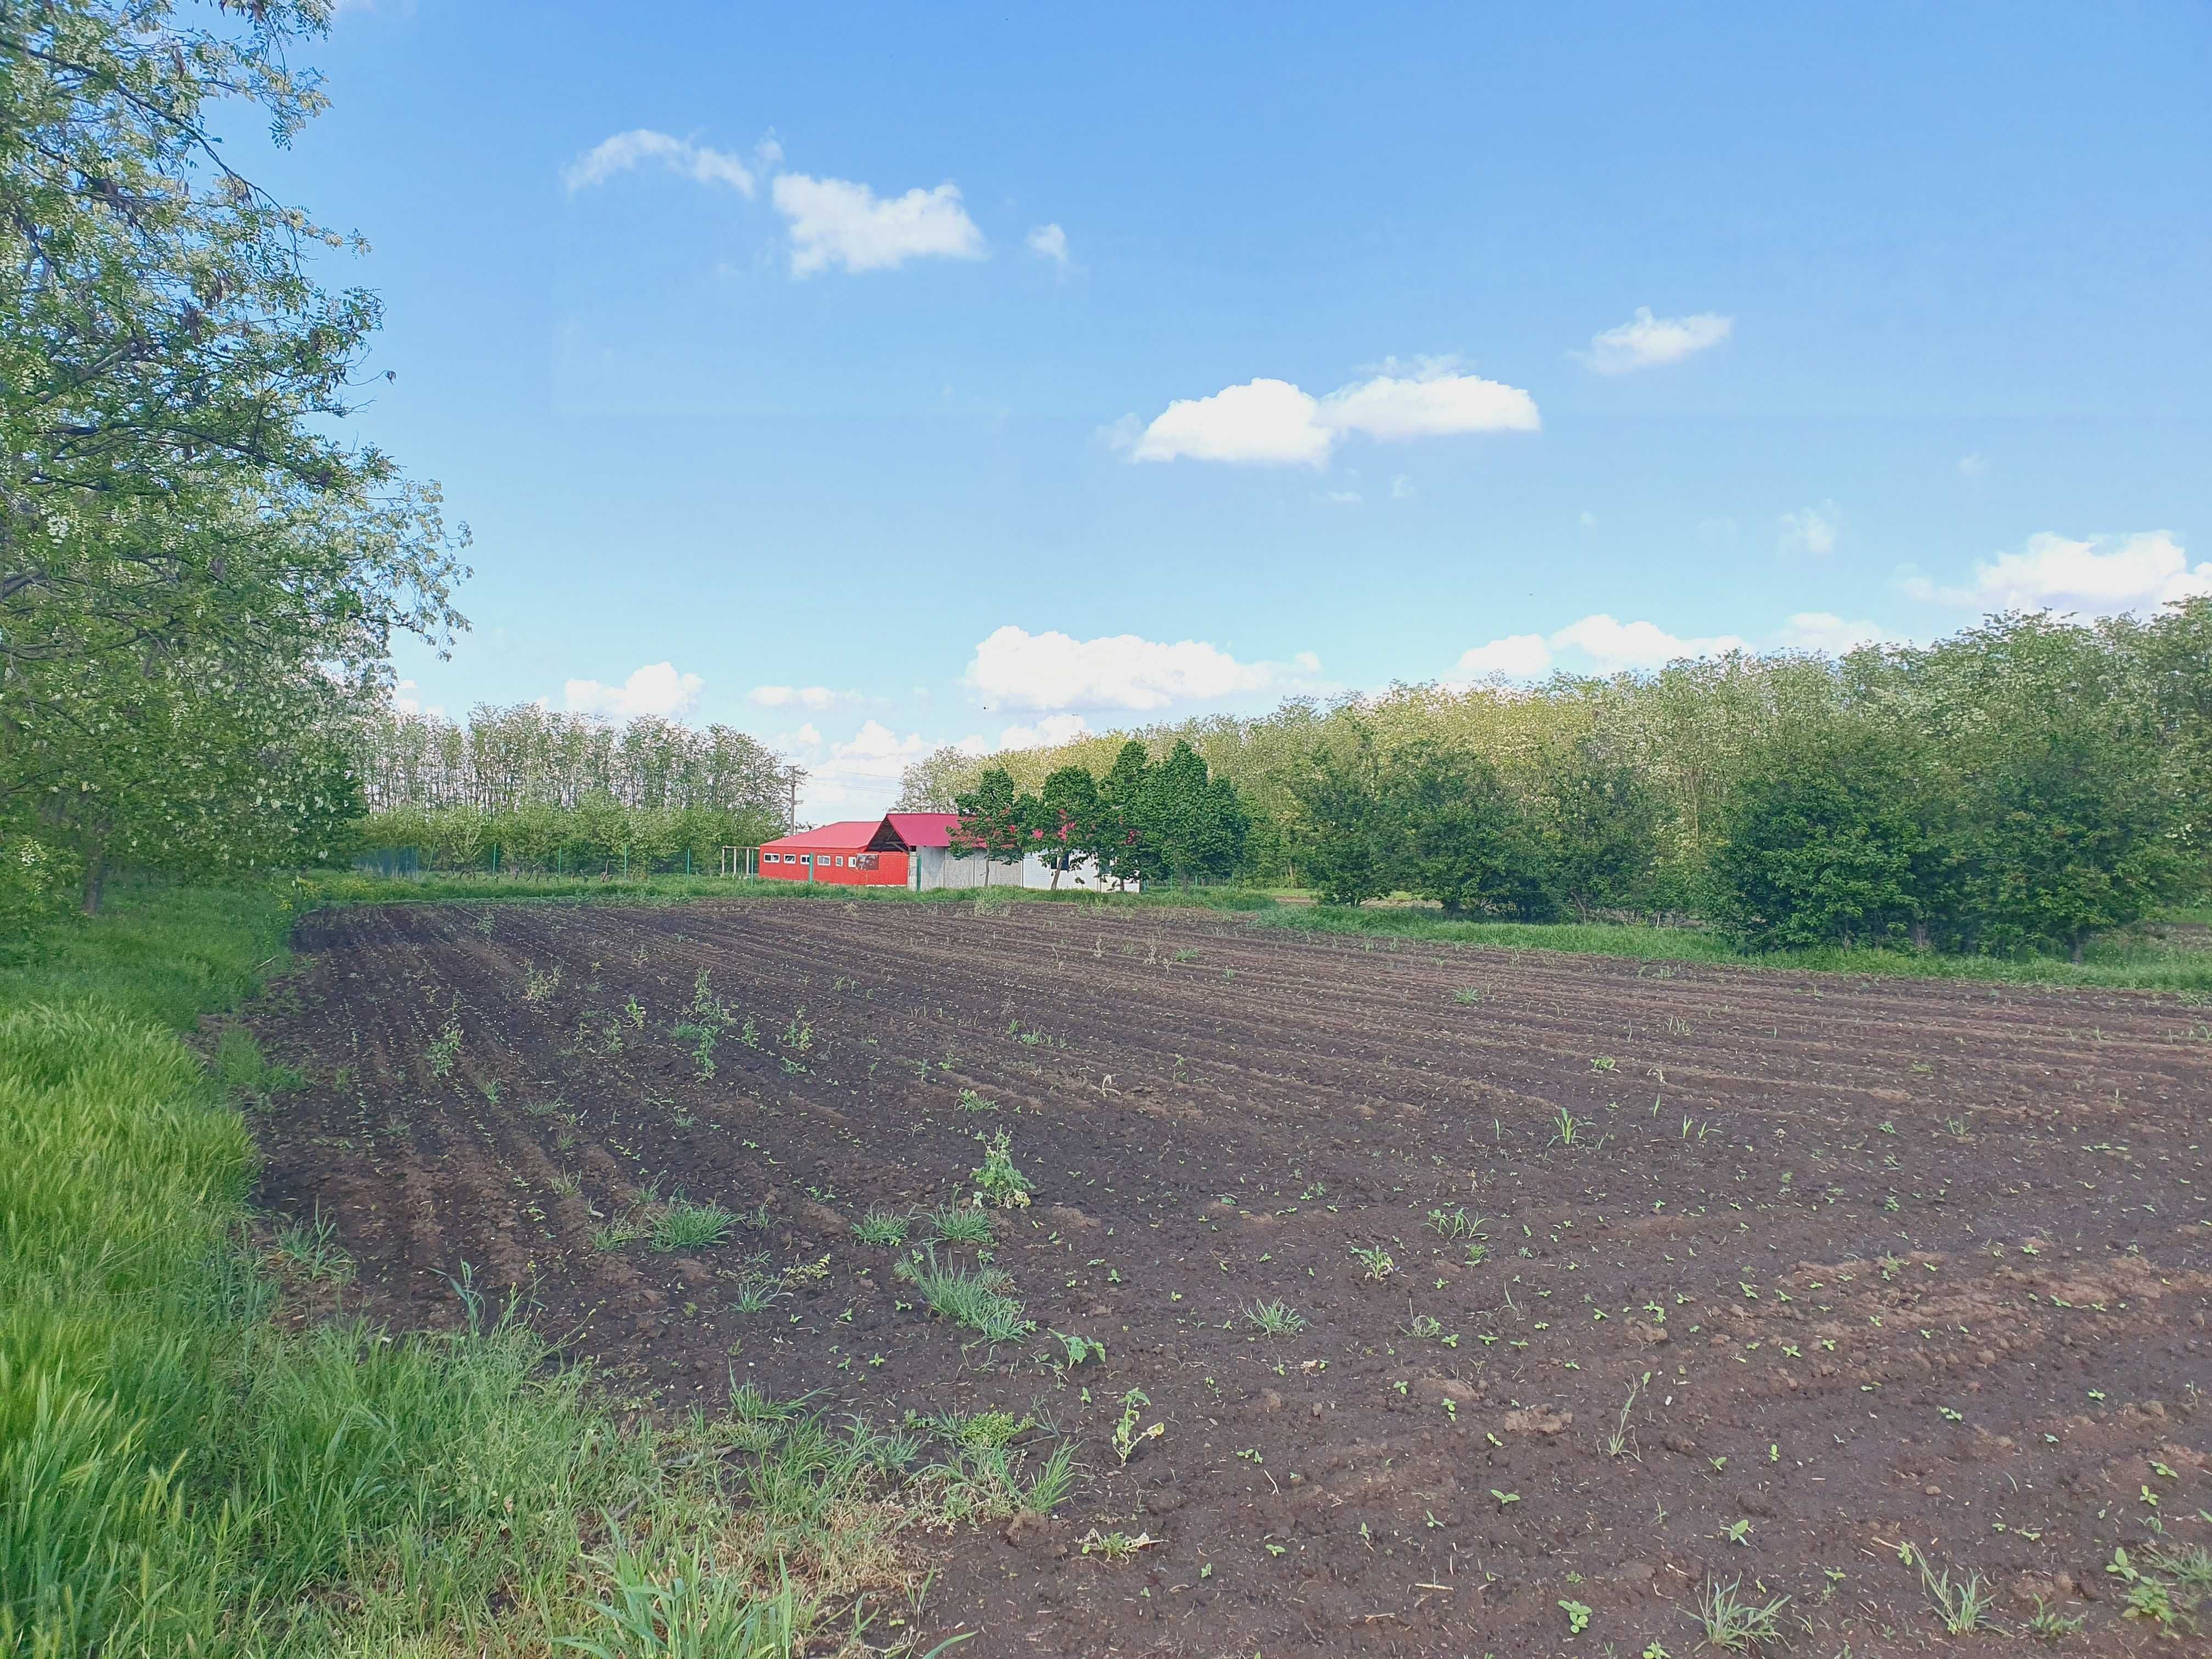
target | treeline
[
  {"x": 528, "y": 789},
  {"x": 598, "y": 834},
  {"x": 2024, "y": 784},
  {"x": 1141, "y": 821},
  {"x": 500, "y": 759}
]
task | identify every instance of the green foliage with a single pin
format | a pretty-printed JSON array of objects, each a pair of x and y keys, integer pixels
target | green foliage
[
  {"x": 1823, "y": 842},
  {"x": 201, "y": 574}
]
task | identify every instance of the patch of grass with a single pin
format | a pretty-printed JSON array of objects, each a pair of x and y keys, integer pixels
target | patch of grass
[
  {"x": 884, "y": 1227},
  {"x": 1274, "y": 1318},
  {"x": 683, "y": 1225},
  {"x": 977, "y": 1300},
  {"x": 182, "y": 1474},
  {"x": 955, "y": 1223},
  {"x": 1733, "y": 1624}
]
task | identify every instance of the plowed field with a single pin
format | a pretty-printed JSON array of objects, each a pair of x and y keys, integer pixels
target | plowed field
[{"x": 1607, "y": 1282}]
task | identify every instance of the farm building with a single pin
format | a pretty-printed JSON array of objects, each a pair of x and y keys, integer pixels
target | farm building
[{"x": 906, "y": 849}]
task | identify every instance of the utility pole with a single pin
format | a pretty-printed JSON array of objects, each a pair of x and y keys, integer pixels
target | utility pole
[{"x": 791, "y": 817}]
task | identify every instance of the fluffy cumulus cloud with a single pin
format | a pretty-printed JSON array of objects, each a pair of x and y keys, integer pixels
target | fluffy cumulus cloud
[
  {"x": 656, "y": 689},
  {"x": 835, "y": 222},
  {"x": 814, "y": 697},
  {"x": 641, "y": 147},
  {"x": 1268, "y": 422},
  {"x": 1050, "y": 671},
  {"x": 1601, "y": 643},
  {"x": 2102, "y": 577},
  {"x": 1646, "y": 341},
  {"x": 858, "y": 778},
  {"x": 1811, "y": 530},
  {"x": 1050, "y": 242}
]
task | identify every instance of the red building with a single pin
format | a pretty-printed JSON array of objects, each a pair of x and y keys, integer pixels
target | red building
[{"x": 861, "y": 852}]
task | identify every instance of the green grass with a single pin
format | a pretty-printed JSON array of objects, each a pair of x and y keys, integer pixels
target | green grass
[
  {"x": 683, "y": 1225},
  {"x": 180, "y": 1474},
  {"x": 2118, "y": 963}
]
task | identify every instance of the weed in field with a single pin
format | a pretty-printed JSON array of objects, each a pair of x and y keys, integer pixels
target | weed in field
[
  {"x": 1425, "y": 1327},
  {"x": 687, "y": 1609},
  {"x": 2049, "y": 1625},
  {"x": 972, "y": 1102},
  {"x": 799, "y": 1034},
  {"x": 1564, "y": 1128},
  {"x": 1079, "y": 1350},
  {"x": 1619, "y": 1441},
  {"x": 1455, "y": 1223},
  {"x": 977, "y": 1300},
  {"x": 1964, "y": 1608},
  {"x": 623, "y": 1230},
  {"x": 1733, "y": 1624},
  {"x": 538, "y": 988},
  {"x": 683, "y": 1225},
  {"x": 1578, "y": 1615},
  {"x": 701, "y": 1039},
  {"x": 883, "y": 1227},
  {"x": 311, "y": 1248},
  {"x": 1467, "y": 994},
  {"x": 954, "y": 1224},
  {"x": 1127, "y": 1436},
  {"x": 445, "y": 1048},
  {"x": 757, "y": 1291},
  {"x": 997, "y": 1179},
  {"x": 1115, "y": 1545},
  {"x": 1376, "y": 1259},
  {"x": 1275, "y": 1318}
]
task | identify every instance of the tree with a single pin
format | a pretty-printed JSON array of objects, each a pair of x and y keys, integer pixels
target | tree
[
  {"x": 1598, "y": 825},
  {"x": 1468, "y": 842},
  {"x": 1117, "y": 832},
  {"x": 1826, "y": 841},
  {"x": 1192, "y": 824},
  {"x": 991, "y": 820},
  {"x": 1064, "y": 817},
  {"x": 192, "y": 558},
  {"x": 1351, "y": 845}
]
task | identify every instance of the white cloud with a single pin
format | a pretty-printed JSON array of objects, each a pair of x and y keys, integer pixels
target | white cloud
[
  {"x": 1401, "y": 487},
  {"x": 1055, "y": 672},
  {"x": 1612, "y": 645},
  {"x": 1972, "y": 466},
  {"x": 1048, "y": 734},
  {"x": 1608, "y": 645},
  {"x": 836, "y": 222},
  {"x": 1825, "y": 631},
  {"x": 1589, "y": 520},
  {"x": 2103, "y": 576},
  {"x": 1342, "y": 497},
  {"x": 656, "y": 689},
  {"x": 1517, "y": 657},
  {"x": 1050, "y": 241},
  {"x": 1262, "y": 423},
  {"x": 627, "y": 150},
  {"x": 1646, "y": 341},
  {"x": 817, "y": 698},
  {"x": 855, "y": 779},
  {"x": 1812, "y": 531},
  {"x": 1271, "y": 423}
]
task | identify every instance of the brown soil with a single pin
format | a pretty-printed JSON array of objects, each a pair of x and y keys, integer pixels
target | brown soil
[{"x": 1902, "y": 1261}]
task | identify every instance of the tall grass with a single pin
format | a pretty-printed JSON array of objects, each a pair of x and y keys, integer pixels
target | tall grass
[{"x": 180, "y": 1475}]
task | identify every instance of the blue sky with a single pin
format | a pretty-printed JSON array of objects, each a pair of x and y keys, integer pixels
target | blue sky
[{"x": 891, "y": 376}]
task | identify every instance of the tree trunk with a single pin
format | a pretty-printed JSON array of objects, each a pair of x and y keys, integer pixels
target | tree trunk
[{"x": 95, "y": 880}]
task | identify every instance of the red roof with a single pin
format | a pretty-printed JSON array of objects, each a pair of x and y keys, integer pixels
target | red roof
[
  {"x": 837, "y": 837},
  {"x": 924, "y": 828},
  {"x": 894, "y": 832}
]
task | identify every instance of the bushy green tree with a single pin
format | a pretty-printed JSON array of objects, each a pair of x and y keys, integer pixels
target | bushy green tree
[
  {"x": 1826, "y": 839},
  {"x": 1349, "y": 840},
  {"x": 1063, "y": 816},
  {"x": 1192, "y": 824},
  {"x": 1597, "y": 825},
  {"x": 1467, "y": 842},
  {"x": 993, "y": 819}
]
